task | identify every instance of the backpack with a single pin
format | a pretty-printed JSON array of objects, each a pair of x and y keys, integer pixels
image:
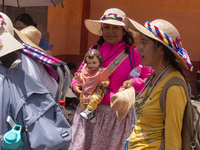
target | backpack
[
  {"x": 190, "y": 133},
  {"x": 30, "y": 105}
]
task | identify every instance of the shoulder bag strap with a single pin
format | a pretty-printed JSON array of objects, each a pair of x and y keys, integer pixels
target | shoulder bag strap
[{"x": 117, "y": 61}]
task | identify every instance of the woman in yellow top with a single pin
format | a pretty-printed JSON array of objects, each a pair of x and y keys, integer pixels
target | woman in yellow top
[{"x": 160, "y": 47}]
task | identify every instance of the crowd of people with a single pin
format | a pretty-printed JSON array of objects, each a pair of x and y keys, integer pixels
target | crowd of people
[{"x": 160, "y": 52}]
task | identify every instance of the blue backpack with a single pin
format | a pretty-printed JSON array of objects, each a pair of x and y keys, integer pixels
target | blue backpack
[{"x": 29, "y": 104}]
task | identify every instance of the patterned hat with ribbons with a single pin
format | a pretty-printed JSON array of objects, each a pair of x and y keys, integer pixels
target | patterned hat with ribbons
[
  {"x": 113, "y": 16},
  {"x": 164, "y": 32}
]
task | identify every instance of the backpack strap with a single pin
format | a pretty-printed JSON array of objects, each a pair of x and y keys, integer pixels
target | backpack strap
[
  {"x": 170, "y": 82},
  {"x": 133, "y": 59}
]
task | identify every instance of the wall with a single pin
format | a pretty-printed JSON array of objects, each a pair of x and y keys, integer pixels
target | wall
[
  {"x": 64, "y": 26},
  {"x": 184, "y": 14}
]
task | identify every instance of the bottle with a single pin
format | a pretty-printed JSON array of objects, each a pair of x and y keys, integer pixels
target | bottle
[
  {"x": 64, "y": 110},
  {"x": 135, "y": 73},
  {"x": 12, "y": 139}
]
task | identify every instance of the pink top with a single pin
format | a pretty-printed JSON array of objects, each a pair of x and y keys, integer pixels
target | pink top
[
  {"x": 91, "y": 79},
  {"x": 121, "y": 74}
]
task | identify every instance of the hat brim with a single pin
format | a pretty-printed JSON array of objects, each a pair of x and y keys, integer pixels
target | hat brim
[
  {"x": 128, "y": 98},
  {"x": 136, "y": 27},
  {"x": 26, "y": 40},
  {"x": 9, "y": 43},
  {"x": 121, "y": 114},
  {"x": 94, "y": 26}
]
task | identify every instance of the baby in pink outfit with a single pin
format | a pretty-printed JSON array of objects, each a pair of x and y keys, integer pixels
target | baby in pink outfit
[{"x": 92, "y": 84}]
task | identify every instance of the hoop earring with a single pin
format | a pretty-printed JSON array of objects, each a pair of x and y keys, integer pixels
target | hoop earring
[{"x": 101, "y": 32}]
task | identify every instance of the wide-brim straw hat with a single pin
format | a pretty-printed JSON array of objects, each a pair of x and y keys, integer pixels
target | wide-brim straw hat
[
  {"x": 32, "y": 33},
  {"x": 163, "y": 31},
  {"x": 122, "y": 101},
  {"x": 113, "y": 16},
  {"x": 22, "y": 35},
  {"x": 8, "y": 42}
]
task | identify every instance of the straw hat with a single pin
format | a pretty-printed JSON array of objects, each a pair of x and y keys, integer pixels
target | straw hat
[
  {"x": 30, "y": 35},
  {"x": 122, "y": 101},
  {"x": 113, "y": 16},
  {"x": 8, "y": 43},
  {"x": 164, "y": 32}
]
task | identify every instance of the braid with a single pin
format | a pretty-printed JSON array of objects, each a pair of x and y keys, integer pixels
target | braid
[
  {"x": 99, "y": 42},
  {"x": 128, "y": 38}
]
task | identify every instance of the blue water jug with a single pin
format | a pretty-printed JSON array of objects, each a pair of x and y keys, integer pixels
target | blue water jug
[{"x": 12, "y": 139}]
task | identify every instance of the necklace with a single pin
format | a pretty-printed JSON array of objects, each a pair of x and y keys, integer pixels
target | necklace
[{"x": 148, "y": 91}]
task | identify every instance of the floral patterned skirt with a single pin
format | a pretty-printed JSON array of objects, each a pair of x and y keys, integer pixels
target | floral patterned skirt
[{"x": 106, "y": 134}]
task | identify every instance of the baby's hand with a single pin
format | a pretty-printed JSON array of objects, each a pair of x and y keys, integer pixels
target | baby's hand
[
  {"x": 77, "y": 77},
  {"x": 105, "y": 83}
]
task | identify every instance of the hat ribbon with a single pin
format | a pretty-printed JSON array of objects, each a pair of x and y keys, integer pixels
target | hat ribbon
[
  {"x": 175, "y": 45},
  {"x": 112, "y": 16},
  {"x": 1, "y": 25}
]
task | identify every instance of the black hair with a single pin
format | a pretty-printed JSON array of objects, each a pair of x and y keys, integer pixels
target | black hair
[
  {"x": 128, "y": 38},
  {"x": 71, "y": 65},
  {"x": 26, "y": 19},
  {"x": 169, "y": 56},
  {"x": 8, "y": 59}
]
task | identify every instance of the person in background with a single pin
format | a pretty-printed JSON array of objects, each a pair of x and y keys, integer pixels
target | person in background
[
  {"x": 71, "y": 99},
  {"x": 25, "y": 20},
  {"x": 108, "y": 132},
  {"x": 160, "y": 48},
  {"x": 72, "y": 68}
]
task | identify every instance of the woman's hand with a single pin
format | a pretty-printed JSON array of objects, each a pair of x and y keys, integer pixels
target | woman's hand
[
  {"x": 77, "y": 89},
  {"x": 127, "y": 84}
]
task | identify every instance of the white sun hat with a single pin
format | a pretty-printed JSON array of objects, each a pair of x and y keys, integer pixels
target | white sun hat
[{"x": 8, "y": 43}]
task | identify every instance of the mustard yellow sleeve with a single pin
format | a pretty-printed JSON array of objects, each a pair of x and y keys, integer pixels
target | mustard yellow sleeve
[{"x": 175, "y": 105}]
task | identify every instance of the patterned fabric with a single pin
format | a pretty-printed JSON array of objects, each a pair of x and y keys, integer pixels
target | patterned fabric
[
  {"x": 113, "y": 16},
  {"x": 37, "y": 55},
  {"x": 175, "y": 45},
  {"x": 37, "y": 51},
  {"x": 106, "y": 134}
]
